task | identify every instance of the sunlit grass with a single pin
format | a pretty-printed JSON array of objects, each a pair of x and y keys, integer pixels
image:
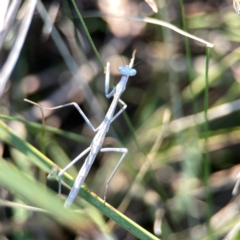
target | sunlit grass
[{"x": 181, "y": 125}]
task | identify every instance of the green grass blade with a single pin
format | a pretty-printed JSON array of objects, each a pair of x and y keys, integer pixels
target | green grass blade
[
  {"x": 72, "y": 136},
  {"x": 88, "y": 35},
  {"x": 8, "y": 136},
  {"x": 39, "y": 159},
  {"x": 37, "y": 194},
  {"x": 57, "y": 154}
]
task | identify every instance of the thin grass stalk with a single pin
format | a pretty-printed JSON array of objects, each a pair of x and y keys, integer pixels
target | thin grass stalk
[
  {"x": 151, "y": 21},
  {"x": 189, "y": 58},
  {"x": 88, "y": 35},
  {"x": 185, "y": 140},
  {"x": 176, "y": 102},
  {"x": 215, "y": 71},
  {"x": 207, "y": 169}
]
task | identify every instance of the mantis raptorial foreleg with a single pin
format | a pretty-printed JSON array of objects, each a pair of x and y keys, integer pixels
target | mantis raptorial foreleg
[{"x": 107, "y": 80}]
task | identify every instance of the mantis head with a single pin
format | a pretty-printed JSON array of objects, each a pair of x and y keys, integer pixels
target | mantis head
[{"x": 127, "y": 71}]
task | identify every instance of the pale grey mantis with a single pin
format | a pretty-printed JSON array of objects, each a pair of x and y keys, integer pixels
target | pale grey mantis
[{"x": 102, "y": 129}]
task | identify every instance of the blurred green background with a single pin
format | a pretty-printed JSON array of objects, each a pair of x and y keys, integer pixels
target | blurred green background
[{"x": 176, "y": 180}]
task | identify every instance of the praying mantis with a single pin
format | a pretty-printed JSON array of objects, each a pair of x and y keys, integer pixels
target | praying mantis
[{"x": 97, "y": 142}]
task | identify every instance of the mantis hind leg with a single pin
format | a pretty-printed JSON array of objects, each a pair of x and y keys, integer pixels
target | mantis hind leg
[
  {"x": 68, "y": 166},
  {"x": 124, "y": 152}
]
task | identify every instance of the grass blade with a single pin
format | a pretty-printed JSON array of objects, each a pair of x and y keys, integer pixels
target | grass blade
[
  {"x": 7, "y": 135},
  {"x": 40, "y": 197}
]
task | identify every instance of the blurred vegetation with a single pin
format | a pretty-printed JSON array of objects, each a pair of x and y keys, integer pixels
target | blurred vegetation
[{"x": 177, "y": 179}]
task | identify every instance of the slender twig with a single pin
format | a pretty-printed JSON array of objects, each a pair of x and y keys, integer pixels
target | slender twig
[{"x": 43, "y": 123}]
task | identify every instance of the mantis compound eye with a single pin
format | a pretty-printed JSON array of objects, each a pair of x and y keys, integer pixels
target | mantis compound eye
[
  {"x": 133, "y": 72},
  {"x": 127, "y": 71},
  {"x": 120, "y": 69}
]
